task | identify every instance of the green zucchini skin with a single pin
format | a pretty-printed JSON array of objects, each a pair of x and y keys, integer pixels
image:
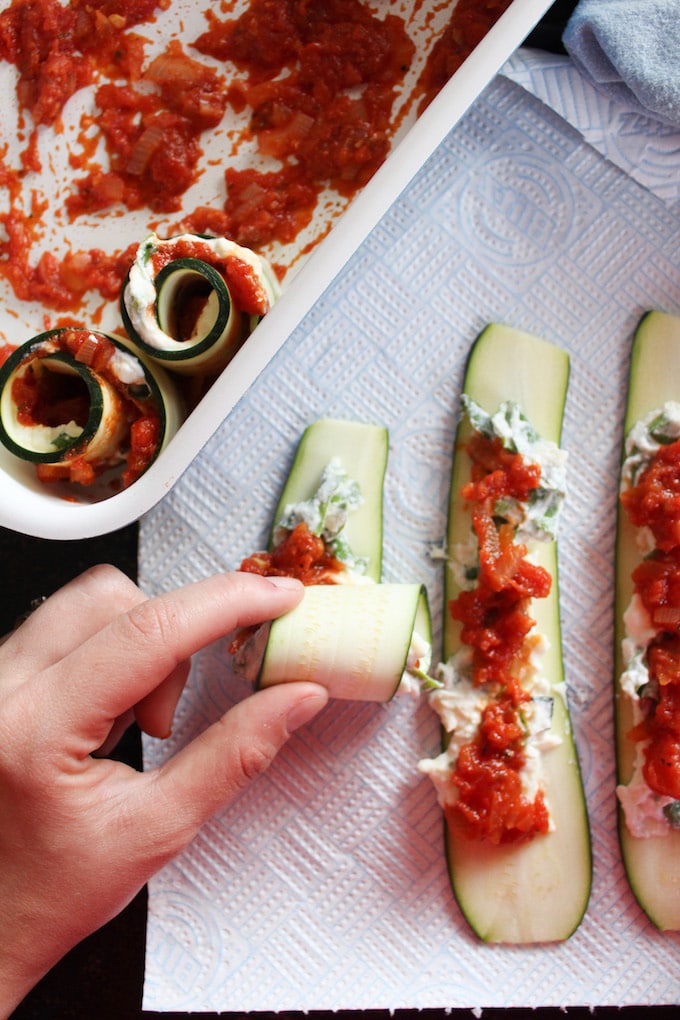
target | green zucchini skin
[
  {"x": 536, "y": 891},
  {"x": 362, "y": 449},
  {"x": 651, "y": 864}
]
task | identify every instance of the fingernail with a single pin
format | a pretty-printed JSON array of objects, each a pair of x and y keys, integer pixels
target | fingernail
[
  {"x": 285, "y": 582},
  {"x": 305, "y": 710}
]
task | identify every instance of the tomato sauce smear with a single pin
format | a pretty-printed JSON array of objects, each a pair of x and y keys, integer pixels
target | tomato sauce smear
[
  {"x": 490, "y": 805},
  {"x": 314, "y": 88},
  {"x": 300, "y": 554},
  {"x": 319, "y": 82},
  {"x": 654, "y": 503}
]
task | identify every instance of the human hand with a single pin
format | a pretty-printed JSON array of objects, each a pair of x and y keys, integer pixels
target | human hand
[{"x": 81, "y": 834}]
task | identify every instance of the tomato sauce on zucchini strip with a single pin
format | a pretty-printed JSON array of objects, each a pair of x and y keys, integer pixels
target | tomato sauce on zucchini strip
[
  {"x": 495, "y": 705},
  {"x": 362, "y": 639},
  {"x": 651, "y": 500},
  {"x": 496, "y": 624}
]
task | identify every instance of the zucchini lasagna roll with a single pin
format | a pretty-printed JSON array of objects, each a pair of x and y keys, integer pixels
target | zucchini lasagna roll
[
  {"x": 77, "y": 403},
  {"x": 190, "y": 301}
]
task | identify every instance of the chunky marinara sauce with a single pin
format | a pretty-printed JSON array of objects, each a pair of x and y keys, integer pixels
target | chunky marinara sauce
[
  {"x": 655, "y": 503},
  {"x": 314, "y": 85},
  {"x": 319, "y": 83},
  {"x": 152, "y": 134},
  {"x": 299, "y": 554},
  {"x": 5, "y": 351},
  {"x": 496, "y": 625},
  {"x": 469, "y": 23}
]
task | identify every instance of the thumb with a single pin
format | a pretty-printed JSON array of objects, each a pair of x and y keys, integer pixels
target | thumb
[{"x": 218, "y": 764}]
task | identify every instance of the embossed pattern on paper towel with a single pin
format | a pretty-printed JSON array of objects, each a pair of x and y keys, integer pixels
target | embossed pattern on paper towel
[{"x": 324, "y": 885}]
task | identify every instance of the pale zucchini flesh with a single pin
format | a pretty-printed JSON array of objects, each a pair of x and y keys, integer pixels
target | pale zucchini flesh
[
  {"x": 535, "y": 891},
  {"x": 652, "y": 864},
  {"x": 352, "y": 639}
]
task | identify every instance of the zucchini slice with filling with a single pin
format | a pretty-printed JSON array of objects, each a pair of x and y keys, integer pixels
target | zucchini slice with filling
[
  {"x": 191, "y": 301},
  {"x": 647, "y": 623},
  {"x": 77, "y": 402},
  {"x": 361, "y": 450},
  {"x": 362, "y": 639},
  {"x": 356, "y": 640},
  {"x": 513, "y": 884}
]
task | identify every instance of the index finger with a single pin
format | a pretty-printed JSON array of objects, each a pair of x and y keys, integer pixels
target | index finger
[{"x": 129, "y": 658}]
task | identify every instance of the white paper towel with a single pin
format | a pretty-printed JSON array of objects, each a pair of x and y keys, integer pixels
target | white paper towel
[
  {"x": 647, "y": 148},
  {"x": 324, "y": 886}
]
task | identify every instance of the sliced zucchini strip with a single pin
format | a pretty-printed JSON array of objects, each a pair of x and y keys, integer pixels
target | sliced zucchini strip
[
  {"x": 191, "y": 301},
  {"x": 359, "y": 641},
  {"x": 74, "y": 393},
  {"x": 650, "y": 846},
  {"x": 362, "y": 450},
  {"x": 537, "y": 890}
]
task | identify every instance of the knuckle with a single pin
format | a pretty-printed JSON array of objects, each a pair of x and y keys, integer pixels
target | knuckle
[
  {"x": 105, "y": 584},
  {"x": 106, "y": 579},
  {"x": 153, "y": 621},
  {"x": 253, "y": 760}
]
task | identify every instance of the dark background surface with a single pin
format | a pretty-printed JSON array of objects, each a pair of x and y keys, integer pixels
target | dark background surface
[{"x": 102, "y": 979}]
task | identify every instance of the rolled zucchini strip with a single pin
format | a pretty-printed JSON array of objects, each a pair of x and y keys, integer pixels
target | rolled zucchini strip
[
  {"x": 190, "y": 302},
  {"x": 360, "y": 641},
  {"x": 75, "y": 395}
]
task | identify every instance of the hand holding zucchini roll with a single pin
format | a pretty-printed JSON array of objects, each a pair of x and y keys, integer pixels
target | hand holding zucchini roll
[
  {"x": 76, "y": 402},
  {"x": 360, "y": 639},
  {"x": 360, "y": 642},
  {"x": 190, "y": 302}
]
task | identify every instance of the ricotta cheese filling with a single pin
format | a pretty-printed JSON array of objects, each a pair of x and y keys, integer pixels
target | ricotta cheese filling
[
  {"x": 326, "y": 514},
  {"x": 646, "y": 812},
  {"x": 459, "y": 702}
]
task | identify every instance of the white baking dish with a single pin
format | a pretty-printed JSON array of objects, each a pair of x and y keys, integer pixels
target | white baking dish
[{"x": 31, "y": 508}]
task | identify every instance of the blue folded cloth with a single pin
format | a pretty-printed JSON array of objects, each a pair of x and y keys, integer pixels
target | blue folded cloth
[{"x": 630, "y": 50}]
